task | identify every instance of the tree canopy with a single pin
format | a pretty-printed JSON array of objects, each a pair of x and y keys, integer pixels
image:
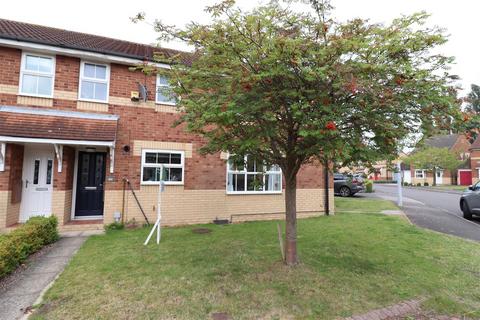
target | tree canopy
[
  {"x": 292, "y": 87},
  {"x": 470, "y": 123}
]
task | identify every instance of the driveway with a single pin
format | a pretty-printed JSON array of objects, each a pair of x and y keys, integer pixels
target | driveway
[{"x": 433, "y": 210}]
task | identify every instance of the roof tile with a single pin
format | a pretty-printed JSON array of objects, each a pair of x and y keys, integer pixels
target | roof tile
[
  {"x": 21, "y": 31},
  {"x": 56, "y": 127}
]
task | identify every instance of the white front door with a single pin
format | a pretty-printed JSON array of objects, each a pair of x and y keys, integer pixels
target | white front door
[
  {"x": 37, "y": 182},
  {"x": 407, "y": 176},
  {"x": 439, "y": 174}
]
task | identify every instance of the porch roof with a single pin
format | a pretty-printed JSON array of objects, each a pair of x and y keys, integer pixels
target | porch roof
[{"x": 23, "y": 122}]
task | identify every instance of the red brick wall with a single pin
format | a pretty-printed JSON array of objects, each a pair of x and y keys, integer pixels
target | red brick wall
[
  {"x": 64, "y": 180},
  {"x": 10, "y": 66},
  {"x": 201, "y": 172},
  {"x": 123, "y": 81},
  {"x": 462, "y": 145},
  {"x": 12, "y": 176},
  {"x": 67, "y": 70},
  {"x": 475, "y": 163}
]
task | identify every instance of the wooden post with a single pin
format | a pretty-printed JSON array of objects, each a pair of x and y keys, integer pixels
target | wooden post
[{"x": 280, "y": 240}]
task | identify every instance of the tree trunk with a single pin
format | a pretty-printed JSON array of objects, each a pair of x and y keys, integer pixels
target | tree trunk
[
  {"x": 291, "y": 257},
  {"x": 434, "y": 177}
]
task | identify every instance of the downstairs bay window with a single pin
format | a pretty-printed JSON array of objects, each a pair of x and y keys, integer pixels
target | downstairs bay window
[
  {"x": 254, "y": 177},
  {"x": 173, "y": 163}
]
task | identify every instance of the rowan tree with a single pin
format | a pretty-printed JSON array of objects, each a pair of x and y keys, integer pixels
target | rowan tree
[{"x": 292, "y": 88}]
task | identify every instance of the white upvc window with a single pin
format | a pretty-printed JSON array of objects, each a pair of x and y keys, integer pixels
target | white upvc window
[
  {"x": 37, "y": 75},
  {"x": 173, "y": 163},
  {"x": 420, "y": 174},
  {"x": 253, "y": 177},
  {"x": 164, "y": 93},
  {"x": 94, "y": 82}
]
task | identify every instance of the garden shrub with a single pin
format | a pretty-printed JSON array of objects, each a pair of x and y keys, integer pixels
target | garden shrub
[
  {"x": 369, "y": 186},
  {"x": 425, "y": 184},
  {"x": 114, "y": 226},
  {"x": 405, "y": 184},
  {"x": 419, "y": 184},
  {"x": 16, "y": 246},
  {"x": 384, "y": 181}
]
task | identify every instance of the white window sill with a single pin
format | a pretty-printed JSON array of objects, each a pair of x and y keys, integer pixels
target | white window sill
[
  {"x": 166, "y": 103},
  {"x": 30, "y": 95},
  {"x": 156, "y": 183},
  {"x": 233, "y": 193},
  {"x": 93, "y": 101}
]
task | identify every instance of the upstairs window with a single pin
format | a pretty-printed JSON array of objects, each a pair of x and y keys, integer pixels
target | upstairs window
[
  {"x": 94, "y": 82},
  {"x": 37, "y": 75},
  {"x": 173, "y": 163},
  {"x": 253, "y": 177},
  {"x": 165, "y": 93}
]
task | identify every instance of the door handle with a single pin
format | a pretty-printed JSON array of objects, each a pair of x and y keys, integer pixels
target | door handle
[{"x": 26, "y": 183}]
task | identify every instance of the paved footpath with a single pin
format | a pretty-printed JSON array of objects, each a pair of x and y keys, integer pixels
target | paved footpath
[{"x": 20, "y": 290}]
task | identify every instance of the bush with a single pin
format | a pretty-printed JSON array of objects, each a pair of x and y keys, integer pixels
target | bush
[
  {"x": 114, "y": 226},
  {"x": 16, "y": 246},
  {"x": 384, "y": 181},
  {"x": 425, "y": 184},
  {"x": 419, "y": 184},
  {"x": 369, "y": 186},
  {"x": 405, "y": 184}
]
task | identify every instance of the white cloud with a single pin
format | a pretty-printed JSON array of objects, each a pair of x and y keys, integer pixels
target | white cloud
[{"x": 111, "y": 18}]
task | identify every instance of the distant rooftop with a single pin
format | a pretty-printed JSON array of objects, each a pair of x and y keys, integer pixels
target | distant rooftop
[{"x": 442, "y": 141}]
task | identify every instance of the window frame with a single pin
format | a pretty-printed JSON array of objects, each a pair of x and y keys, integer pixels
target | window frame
[
  {"x": 23, "y": 71},
  {"x": 246, "y": 173},
  {"x": 157, "y": 85},
  {"x": 423, "y": 174},
  {"x": 153, "y": 165},
  {"x": 81, "y": 77}
]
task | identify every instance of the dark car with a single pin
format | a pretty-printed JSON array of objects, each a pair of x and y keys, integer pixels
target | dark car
[
  {"x": 345, "y": 185},
  {"x": 470, "y": 201}
]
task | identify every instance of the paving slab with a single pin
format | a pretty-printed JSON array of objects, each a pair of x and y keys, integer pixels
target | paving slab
[{"x": 20, "y": 290}]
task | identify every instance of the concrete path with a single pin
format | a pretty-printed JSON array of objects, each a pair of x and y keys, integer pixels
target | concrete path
[
  {"x": 21, "y": 289},
  {"x": 438, "y": 211}
]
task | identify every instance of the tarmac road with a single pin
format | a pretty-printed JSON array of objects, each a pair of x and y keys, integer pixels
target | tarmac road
[{"x": 435, "y": 210}]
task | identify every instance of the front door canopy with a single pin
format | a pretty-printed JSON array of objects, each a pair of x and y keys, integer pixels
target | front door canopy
[{"x": 56, "y": 127}]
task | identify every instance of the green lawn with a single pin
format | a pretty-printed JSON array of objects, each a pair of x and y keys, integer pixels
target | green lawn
[
  {"x": 357, "y": 204},
  {"x": 351, "y": 263}
]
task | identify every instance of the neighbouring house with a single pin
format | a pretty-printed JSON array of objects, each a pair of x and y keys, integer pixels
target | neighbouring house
[
  {"x": 454, "y": 142},
  {"x": 475, "y": 161},
  {"x": 72, "y": 129}
]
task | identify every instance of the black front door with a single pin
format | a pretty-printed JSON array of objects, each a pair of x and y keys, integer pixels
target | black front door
[{"x": 90, "y": 180}]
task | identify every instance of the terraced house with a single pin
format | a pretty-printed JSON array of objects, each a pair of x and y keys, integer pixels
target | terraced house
[{"x": 74, "y": 127}]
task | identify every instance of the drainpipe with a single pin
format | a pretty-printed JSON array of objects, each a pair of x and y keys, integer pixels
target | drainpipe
[{"x": 326, "y": 184}]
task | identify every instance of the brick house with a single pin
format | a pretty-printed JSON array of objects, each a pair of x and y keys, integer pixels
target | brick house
[
  {"x": 475, "y": 160},
  {"x": 454, "y": 142},
  {"x": 71, "y": 131}
]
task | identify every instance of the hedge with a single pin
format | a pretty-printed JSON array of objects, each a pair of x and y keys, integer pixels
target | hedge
[
  {"x": 384, "y": 181},
  {"x": 16, "y": 246}
]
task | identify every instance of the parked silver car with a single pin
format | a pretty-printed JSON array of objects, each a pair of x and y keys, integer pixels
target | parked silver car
[{"x": 470, "y": 201}]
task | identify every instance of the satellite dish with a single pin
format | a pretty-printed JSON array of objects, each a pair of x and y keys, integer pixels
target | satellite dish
[{"x": 143, "y": 92}]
